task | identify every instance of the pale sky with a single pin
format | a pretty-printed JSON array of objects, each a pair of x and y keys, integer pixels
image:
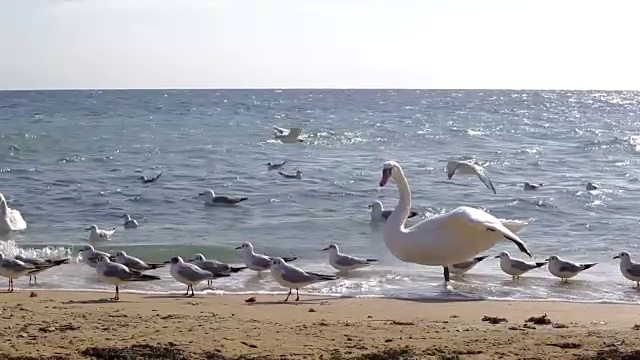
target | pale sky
[{"x": 513, "y": 44}]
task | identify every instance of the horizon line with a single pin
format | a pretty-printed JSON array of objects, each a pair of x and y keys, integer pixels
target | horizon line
[{"x": 304, "y": 88}]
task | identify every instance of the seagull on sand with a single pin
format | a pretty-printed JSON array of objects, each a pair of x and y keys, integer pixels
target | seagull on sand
[
  {"x": 118, "y": 274},
  {"x": 41, "y": 264},
  {"x": 257, "y": 262},
  {"x": 13, "y": 269},
  {"x": 214, "y": 266},
  {"x": 292, "y": 277},
  {"x": 190, "y": 274},
  {"x": 628, "y": 268}
]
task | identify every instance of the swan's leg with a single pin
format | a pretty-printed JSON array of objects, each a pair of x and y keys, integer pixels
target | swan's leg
[{"x": 446, "y": 273}]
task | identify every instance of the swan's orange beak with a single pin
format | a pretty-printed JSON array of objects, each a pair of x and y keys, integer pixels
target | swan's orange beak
[{"x": 386, "y": 174}]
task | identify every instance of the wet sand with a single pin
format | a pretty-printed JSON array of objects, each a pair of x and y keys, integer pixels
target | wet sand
[{"x": 78, "y": 325}]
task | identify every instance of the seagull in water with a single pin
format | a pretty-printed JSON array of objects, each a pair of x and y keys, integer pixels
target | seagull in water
[
  {"x": 463, "y": 267},
  {"x": 298, "y": 175},
  {"x": 90, "y": 255},
  {"x": 516, "y": 267},
  {"x": 13, "y": 269},
  {"x": 628, "y": 268},
  {"x": 97, "y": 234},
  {"x": 292, "y": 277},
  {"x": 531, "y": 187},
  {"x": 287, "y": 136},
  {"x": 118, "y": 274},
  {"x": 146, "y": 180},
  {"x": 190, "y": 274},
  {"x": 214, "y": 266},
  {"x": 271, "y": 166},
  {"x": 345, "y": 263},
  {"x": 130, "y": 223},
  {"x": 257, "y": 262},
  {"x": 134, "y": 263},
  {"x": 566, "y": 269},
  {"x": 41, "y": 264},
  {"x": 378, "y": 213},
  {"x": 469, "y": 167},
  {"x": 211, "y": 199}
]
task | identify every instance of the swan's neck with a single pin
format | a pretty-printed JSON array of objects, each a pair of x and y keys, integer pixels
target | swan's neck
[
  {"x": 399, "y": 215},
  {"x": 3, "y": 207}
]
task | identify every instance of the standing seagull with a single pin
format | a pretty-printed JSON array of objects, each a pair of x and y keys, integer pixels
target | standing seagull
[
  {"x": 516, "y": 267},
  {"x": 292, "y": 277},
  {"x": 298, "y": 175},
  {"x": 42, "y": 264},
  {"x": 271, "y": 166},
  {"x": 344, "y": 263},
  {"x": 378, "y": 213},
  {"x": 13, "y": 269},
  {"x": 288, "y": 136},
  {"x": 214, "y": 266},
  {"x": 463, "y": 267},
  {"x": 90, "y": 255},
  {"x": 469, "y": 167},
  {"x": 257, "y": 262},
  {"x": 190, "y": 274},
  {"x": 130, "y": 223},
  {"x": 146, "y": 180},
  {"x": 98, "y": 234},
  {"x": 628, "y": 268},
  {"x": 566, "y": 269},
  {"x": 117, "y": 274},
  {"x": 134, "y": 263},
  {"x": 211, "y": 199}
]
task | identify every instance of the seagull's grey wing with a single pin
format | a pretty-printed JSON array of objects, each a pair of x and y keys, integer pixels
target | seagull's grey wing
[
  {"x": 386, "y": 213},
  {"x": 261, "y": 261},
  {"x": 36, "y": 262},
  {"x": 194, "y": 273},
  {"x": 346, "y": 260},
  {"x": 484, "y": 178},
  {"x": 295, "y": 275},
  {"x": 117, "y": 271},
  {"x": 213, "y": 267},
  {"x": 280, "y": 130},
  {"x": 15, "y": 265},
  {"x": 568, "y": 266},
  {"x": 222, "y": 199},
  {"x": 295, "y": 132},
  {"x": 133, "y": 262},
  {"x": 634, "y": 270},
  {"x": 521, "y": 265}
]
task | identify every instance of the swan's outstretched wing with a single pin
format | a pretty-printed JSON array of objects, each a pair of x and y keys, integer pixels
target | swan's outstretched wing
[
  {"x": 295, "y": 132},
  {"x": 516, "y": 225},
  {"x": 280, "y": 131}
]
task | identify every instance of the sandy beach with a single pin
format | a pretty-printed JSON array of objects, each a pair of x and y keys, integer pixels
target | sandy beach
[{"x": 78, "y": 325}]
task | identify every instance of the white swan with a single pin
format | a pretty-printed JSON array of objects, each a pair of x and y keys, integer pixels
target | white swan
[
  {"x": 446, "y": 239},
  {"x": 10, "y": 219},
  {"x": 287, "y": 136}
]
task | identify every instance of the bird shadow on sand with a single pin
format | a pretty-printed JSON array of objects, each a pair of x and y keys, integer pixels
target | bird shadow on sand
[
  {"x": 95, "y": 301},
  {"x": 315, "y": 301}
]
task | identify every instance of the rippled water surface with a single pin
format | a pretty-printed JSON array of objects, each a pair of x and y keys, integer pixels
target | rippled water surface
[{"x": 69, "y": 159}]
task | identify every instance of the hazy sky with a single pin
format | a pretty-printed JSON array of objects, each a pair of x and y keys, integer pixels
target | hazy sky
[{"x": 550, "y": 44}]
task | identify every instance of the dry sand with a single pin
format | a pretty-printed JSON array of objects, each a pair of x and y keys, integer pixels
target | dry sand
[{"x": 77, "y": 325}]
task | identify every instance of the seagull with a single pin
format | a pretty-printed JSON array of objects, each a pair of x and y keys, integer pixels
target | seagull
[
  {"x": 42, "y": 264},
  {"x": 13, "y": 269},
  {"x": 214, "y": 266},
  {"x": 90, "y": 255},
  {"x": 257, "y": 262},
  {"x": 190, "y": 274},
  {"x": 298, "y": 175},
  {"x": 516, "y": 267},
  {"x": 97, "y": 234},
  {"x": 117, "y": 274},
  {"x": 292, "y": 277},
  {"x": 130, "y": 223},
  {"x": 271, "y": 166},
  {"x": 530, "y": 187},
  {"x": 591, "y": 186},
  {"x": 378, "y": 213},
  {"x": 628, "y": 268},
  {"x": 469, "y": 167},
  {"x": 145, "y": 180},
  {"x": 344, "y": 263},
  {"x": 211, "y": 199},
  {"x": 463, "y": 267},
  {"x": 288, "y": 136},
  {"x": 566, "y": 269},
  {"x": 134, "y": 263}
]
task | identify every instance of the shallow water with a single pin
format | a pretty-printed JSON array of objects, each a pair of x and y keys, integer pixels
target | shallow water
[{"x": 69, "y": 159}]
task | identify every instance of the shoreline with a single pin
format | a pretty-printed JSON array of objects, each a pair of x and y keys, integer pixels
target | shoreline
[{"x": 80, "y": 324}]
